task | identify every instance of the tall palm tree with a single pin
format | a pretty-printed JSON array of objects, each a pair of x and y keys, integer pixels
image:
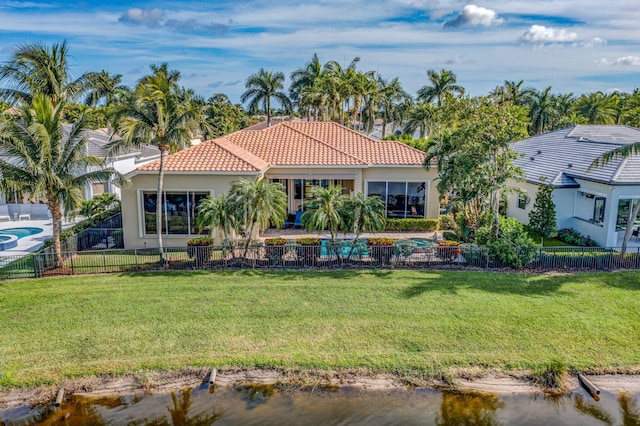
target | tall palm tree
[
  {"x": 443, "y": 84},
  {"x": 381, "y": 101},
  {"x": 420, "y": 116},
  {"x": 39, "y": 158},
  {"x": 324, "y": 210},
  {"x": 342, "y": 80},
  {"x": 158, "y": 115},
  {"x": 364, "y": 213},
  {"x": 541, "y": 110},
  {"x": 105, "y": 86},
  {"x": 262, "y": 204},
  {"x": 303, "y": 78},
  {"x": 35, "y": 69},
  {"x": 596, "y": 108},
  {"x": 512, "y": 92},
  {"x": 263, "y": 86}
]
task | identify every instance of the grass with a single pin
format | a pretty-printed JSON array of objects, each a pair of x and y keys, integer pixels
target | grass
[{"x": 404, "y": 322}]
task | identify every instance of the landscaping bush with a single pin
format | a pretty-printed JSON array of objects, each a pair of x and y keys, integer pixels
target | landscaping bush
[
  {"x": 405, "y": 248},
  {"x": 200, "y": 248},
  {"x": 447, "y": 221},
  {"x": 573, "y": 237},
  {"x": 411, "y": 224},
  {"x": 513, "y": 247},
  {"x": 308, "y": 241},
  {"x": 449, "y": 235},
  {"x": 275, "y": 241}
]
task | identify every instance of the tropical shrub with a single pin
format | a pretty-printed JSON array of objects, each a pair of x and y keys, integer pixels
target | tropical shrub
[
  {"x": 447, "y": 221},
  {"x": 200, "y": 241},
  {"x": 380, "y": 242},
  {"x": 411, "y": 224},
  {"x": 308, "y": 241},
  {"x": 405, "y": 248},
  {"x": 275, "y": 241},
  {"x": 513, "y": 247},
  {"x": 542, "y": 218},
  {"x": 573, "y": 237}
]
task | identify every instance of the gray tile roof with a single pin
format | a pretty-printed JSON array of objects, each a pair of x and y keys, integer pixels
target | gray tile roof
[
  {"x": 562, "y": 156},
  {"x": 98, "y": 139}
]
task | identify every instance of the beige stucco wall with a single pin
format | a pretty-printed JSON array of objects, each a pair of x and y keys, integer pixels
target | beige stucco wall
[
  {"x": 131, "y": 207},
  {"x": 218, "y": 184}
]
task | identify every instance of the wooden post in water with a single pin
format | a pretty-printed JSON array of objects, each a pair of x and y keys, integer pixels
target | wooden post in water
[
  {"x": 59, "y": 398},
  {"x": 590, "y": 387}
]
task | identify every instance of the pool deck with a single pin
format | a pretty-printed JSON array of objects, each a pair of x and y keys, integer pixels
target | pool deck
[{"x": 29, "y": 243}]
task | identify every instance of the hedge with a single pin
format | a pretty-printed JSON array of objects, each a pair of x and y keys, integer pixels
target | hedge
[{"x": 411, "y": 225}]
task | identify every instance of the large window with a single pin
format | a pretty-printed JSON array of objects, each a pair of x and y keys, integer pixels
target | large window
[
  {"x": 598, "y": 209},
  {"x": 179, "y": 212},
  {"x": 625, "y": 207},
  {"x": 401, "y": 199}
]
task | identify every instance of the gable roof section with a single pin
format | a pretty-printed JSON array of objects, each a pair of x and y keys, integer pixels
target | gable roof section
[
  {"x": 218, "y": 155},
  {"x": 295, "y": 144},
  {"x": 369, "y": 150},
  {"x": 561, "y": 156}
]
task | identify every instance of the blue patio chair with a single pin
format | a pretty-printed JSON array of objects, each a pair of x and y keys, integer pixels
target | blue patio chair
[{"x": 298, "y": 222}]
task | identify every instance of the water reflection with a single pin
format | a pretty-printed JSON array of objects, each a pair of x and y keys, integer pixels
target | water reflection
[
  {"x": 463, "y": 409},
  {"x": 630, "y": 413},
  {"x": 267, "y": 405}
]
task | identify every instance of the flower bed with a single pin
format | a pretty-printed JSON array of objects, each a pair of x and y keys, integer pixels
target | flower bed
[{"x": 381, "y": 249}]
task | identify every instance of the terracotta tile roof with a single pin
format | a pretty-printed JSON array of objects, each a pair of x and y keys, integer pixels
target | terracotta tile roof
[
  {"x": 218, "y": 155},
  {"x": 290, "y": 144},
  {"x": 369, "y": 150}
]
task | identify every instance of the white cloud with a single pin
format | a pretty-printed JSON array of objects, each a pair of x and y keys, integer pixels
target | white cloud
[
  {"x": 475, "y": 15},
  {"x": 539, "y": 34},
  {"x": 594, "y": 42},
  {"x": 625, "y": 61},
  {"x": 139, "y": 16}
]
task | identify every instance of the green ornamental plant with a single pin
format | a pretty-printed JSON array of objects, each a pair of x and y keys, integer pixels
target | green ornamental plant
[
  {"x": 381, "y": 242},
  {"x": 308, "y": 241},
  {"x": 278, "y": 241}
]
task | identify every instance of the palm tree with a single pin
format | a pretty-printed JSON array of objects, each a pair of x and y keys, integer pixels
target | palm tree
[
  {"x": 512, "y": 92},
  {"x": 35, "y": 69},
  {"x": 105, "y": 86},
  {"x": 421, "y": 117},
  {"x": 263, "y": 86},
  {"x": 324, "y": 210},
  {"x": 303, "y": 78},
  {"x": 596, "y": 108},
  {"x": 381, "y": 100},
  {"x": 342, "y": 80},
  {"x": 217, "y": 213},
  {"x": 541, "y": 110},
  {"x": 443, "y": 84},
  {"x": 364, "y": 213},
  {"x": 158, "y": 115},
  {"x": 41, "y": 160},
  {"x": 262, "y": 204}
]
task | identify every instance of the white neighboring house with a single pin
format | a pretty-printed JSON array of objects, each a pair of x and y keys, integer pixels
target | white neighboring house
[
  {"x": 96, "y": 141},
  {"x": 596, "y": 202}
]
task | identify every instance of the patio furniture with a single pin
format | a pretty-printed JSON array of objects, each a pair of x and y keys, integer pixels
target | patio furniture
[
  {"x": 4, "y": 213},
  {"x": 25, "y": 212},
  {"x": 297, "y": 223}
]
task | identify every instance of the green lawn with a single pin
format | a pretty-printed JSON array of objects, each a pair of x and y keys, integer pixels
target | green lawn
[{"x": 393, "y": 321}]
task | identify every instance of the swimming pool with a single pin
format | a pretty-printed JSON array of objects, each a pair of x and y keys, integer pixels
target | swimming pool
[
  {"x": 21, "y": 232},
  {"x": 9, "y": 237}
]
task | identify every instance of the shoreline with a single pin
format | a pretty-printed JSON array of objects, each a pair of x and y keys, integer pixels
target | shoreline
[{"x": 466, "y": 380}]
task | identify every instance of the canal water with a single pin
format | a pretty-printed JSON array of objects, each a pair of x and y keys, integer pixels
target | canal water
[{"x": 271, "y": 405}]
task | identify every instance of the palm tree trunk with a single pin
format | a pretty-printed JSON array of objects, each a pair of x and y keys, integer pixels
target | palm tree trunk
[
  {"x": 384, "y": 128},
  {"x": 268, "y": 111},
  {"x": 56, "y": 216},
  {"x": 627, "y": 233},
  {"x": 159, "y": 199}
]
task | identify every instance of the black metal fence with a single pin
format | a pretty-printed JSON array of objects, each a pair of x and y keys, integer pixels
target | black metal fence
[{"x": 320, "y": 257}]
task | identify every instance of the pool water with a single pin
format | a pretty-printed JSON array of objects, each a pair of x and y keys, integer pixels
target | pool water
[{"x": 20, "y": 232}]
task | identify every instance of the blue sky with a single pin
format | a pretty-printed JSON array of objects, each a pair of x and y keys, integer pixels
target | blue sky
[{"x": 572, "y": 45}]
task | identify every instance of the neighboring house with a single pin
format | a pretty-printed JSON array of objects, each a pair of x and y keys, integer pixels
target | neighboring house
[
  {"x": 297, "y": 154},
  {"x": 96, "y": 141},
  {"x": 596, "y": 201}
]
